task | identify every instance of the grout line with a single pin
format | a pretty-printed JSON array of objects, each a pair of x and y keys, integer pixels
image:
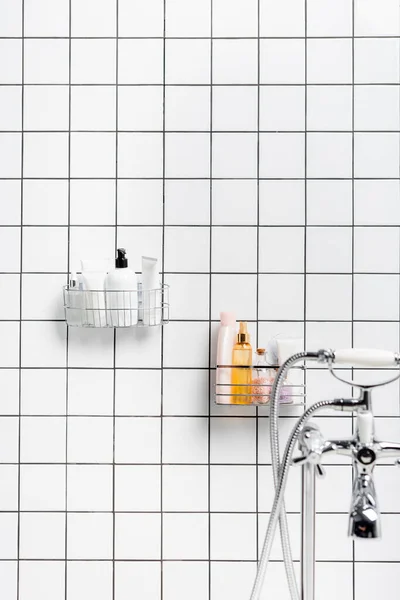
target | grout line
[
  {"x": 353, "y": 245},
  {"x": 210, "y": 397}
]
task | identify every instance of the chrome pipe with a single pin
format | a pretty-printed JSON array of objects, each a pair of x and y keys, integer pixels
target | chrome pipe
[{"x": 308, "y": 532}]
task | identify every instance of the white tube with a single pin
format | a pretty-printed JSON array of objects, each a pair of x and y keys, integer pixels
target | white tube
[
  {"x": 93, "y": 276},
  {"x": 151, "y": 292},
  {"x": 365, "y": 357}
]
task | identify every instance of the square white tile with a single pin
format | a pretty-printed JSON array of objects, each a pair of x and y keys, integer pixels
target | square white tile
[
  {"x": 90, "y": 488},
  {"x": 187, "y": 61},
  {"x": 42, "y": 536},
  {"x": 235, "y": 293},
  {"x": 89, "y": 536},
  {"x": 329, "y": 202},
  {"x": 290, "y": 241},
  {"x": 234, "y": 155},
  {"x": 187, "y": 108},
  {"x": 375, "y": 334},
  {"x": 94, "y": 350},
  {"x": 9, "y": 446},
  {"x": 11, "y": 18},
  {"x": 42, "y": 487},
  {"x": 376, "y": 60},
  {"x": 187, "y": 155},
  {"x": 93, "y": 61},
  {"x": 281, "y": 202},
  {"x": 44, "y": 18},
  {"x": 188, "y": 18},
  {"x": 10, "y": 148},
  {"x": 45, "y": 155},
  {"x": 235, "y": 108},
  {"x": 233, "y": 537},
  {"x": 376, "y": 108},
  {"x": 137, "y": 488},
  {"x": 90, "y": 392},
  {"x": 36, "y": 249},
  {"x": 187, "y": 249},
  {"x": 43, "y": 344},
  {"x": 329, "y": 61},
  {"x": 42, "y": 578},
  {"x": 9, "y": 379},
  {"x": 138, "y": 536},
  {"x": 376, "y": 202},
  {"x": 371, "y": 18},
  {"x": 45, "y": 202},
  {"x": 369, "y": 291},
  {"x": 10, "y": 299},
  {"x": 139, "y": 348},
  {"x": 43, "y": 439},
  {"x": 145, "y": 577},
  {"x": 286, "y": 19},
  {"x": 10, "y": 202},
  {"x": 136, "y": 19},
  {"x": 185, "y": 440},
  {"x": 43, "y": 391},
  {"x": 329, "y": 297},
  {"x": 282, "y": 155},
  {"x": 282, "y": 61},
  {"x": 46, "y": 61},
  {"x": 230, "y": 20},
  {"x": 90, "y": 577},
  {"x": 185, "y": 392},
  {"x": 11, "y": 61},
  {"x": 286, "y": 303},
  {"x": 232, "y": 488},
  {"x": 329, "y": 108},
  {"x": 329, "y": 155},
  {"x": 137, "y": 440},
  {"x": 140, "y": 202},
  {"x": 187, "y": 202},
  {"x": 227, "y": 250},
  {"x": 179, "y": 577},
  {"x": 185, "y": 488},
  {"x": 234, "y": 202},
  {"x": 329, "y": 250},
  {"x": 148, "y": 69},
  {"x": 148, "y": 402},
  {"x": 92, "y": 202},
  {"x": 235, "y": 61},
  {"x": 376, "y": 155},
  {"x": 193, "y": 286},
  {"x": 41, "y": 297},
  {"x": 330, "y": 18},
  {"x": 366, "y": 259},
  {"x": 11, "y": 101},
  {"x": 233, "y": 440},
  {"x": 233, "y": 578},
  {"x": 91, "y": 18},
  {"x": 140, "y": 155},
  {"x": 93, "y": 108},
  {"x": 140, "y": 108},
  {"x": 100, "y": 430},
  {"x": 92, "y": 155},
  {"x": 370, "y": 577},
  {"x": 9, "y": 487},
  {"x": 185, "y": 536},
  {"x": 9, "y": 343},
  {"x": 282, "y": 108}
]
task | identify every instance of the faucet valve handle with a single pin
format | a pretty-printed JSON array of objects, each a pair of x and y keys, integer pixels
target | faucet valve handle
[{"x": 320, "y": 471}]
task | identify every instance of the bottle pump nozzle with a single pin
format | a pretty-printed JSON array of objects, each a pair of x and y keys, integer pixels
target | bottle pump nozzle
[{"x": 121, "y": 262}]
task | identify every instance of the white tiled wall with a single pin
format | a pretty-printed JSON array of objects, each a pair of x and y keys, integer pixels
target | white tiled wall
[{"x": 253, "y": 146}]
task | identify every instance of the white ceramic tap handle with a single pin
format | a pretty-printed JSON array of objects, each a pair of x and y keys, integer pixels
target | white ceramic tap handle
[{"x": 365, "y": 357}]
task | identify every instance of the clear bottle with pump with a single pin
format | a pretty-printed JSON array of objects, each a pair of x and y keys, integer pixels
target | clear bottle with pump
[
  {"x": 121, "y": 293},
  {"x": 241, "y": 367}
]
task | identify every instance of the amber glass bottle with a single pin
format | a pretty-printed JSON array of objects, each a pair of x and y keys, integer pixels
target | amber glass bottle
[{"x": 241, "y": 367}]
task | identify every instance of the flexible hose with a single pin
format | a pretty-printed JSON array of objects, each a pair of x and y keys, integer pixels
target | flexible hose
[
  {"x": 279, "y": 496},
  {"x": 275, "y": 459}
]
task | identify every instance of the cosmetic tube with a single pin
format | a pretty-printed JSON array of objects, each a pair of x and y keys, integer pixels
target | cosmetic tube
[
  {"x": 93, "y": 277},
  {"x": 226, "y": 341},
  {"x": 151, "y": 292}
]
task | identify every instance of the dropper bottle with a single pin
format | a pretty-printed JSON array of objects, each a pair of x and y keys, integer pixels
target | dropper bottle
[{"x": 241, "y": 367}]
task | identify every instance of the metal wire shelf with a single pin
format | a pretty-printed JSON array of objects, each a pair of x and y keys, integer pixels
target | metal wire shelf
[
  {"x": 100, "y": 308},
  {"x": 258, "y": 391}
]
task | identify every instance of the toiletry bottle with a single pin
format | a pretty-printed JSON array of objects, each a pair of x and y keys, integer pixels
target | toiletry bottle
[
  {"x": 93, "y": 276},
  {"x": 263, "y": 378},
  {"x": 121, "y": 293},
  {"x": 151, "y": 292},
  {"x": 242, "y": 360},
  {"x": 226, "y": 340}
]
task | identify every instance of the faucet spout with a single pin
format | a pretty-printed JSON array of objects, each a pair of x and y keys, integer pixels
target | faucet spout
[{"x": 365, "y": 520}]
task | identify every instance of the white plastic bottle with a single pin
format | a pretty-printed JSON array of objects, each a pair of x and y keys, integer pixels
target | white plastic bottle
[
  {"x": 121, "y": 293},
  {"x": 151, "y": 292},
  {"x": 226, "y": 341}
]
